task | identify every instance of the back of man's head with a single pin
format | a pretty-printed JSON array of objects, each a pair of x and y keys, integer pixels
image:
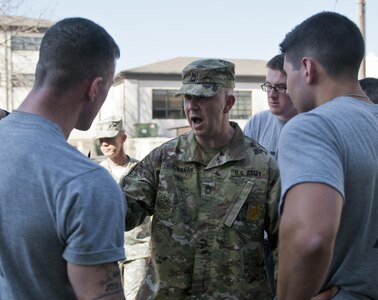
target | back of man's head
[
  {"x": 73, "y": 50},
  {"x": 331, "y": 39},
  {"x": 276, "y": 63},
  {"x": 370, "y": 87}
]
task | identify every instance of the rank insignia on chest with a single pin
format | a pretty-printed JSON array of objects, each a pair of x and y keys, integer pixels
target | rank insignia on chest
[
  {"x": 253, "y": 213},
  {"x": 163, "y": 202}
]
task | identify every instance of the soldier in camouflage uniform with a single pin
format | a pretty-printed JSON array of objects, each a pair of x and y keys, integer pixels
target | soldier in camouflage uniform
[
  {"x": 111, "y": 136},
  {"x": 212, "y": 193}
]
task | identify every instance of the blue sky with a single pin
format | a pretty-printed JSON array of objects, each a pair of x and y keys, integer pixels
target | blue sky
[{"x": 149, "y": 31}]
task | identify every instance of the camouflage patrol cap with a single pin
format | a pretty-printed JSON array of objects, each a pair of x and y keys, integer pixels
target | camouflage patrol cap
[
  {"x": 109, "y": 127},
  {"x": 205, "y": 77}
]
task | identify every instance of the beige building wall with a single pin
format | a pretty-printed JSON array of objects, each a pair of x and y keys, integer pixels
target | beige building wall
[
  {"x": 371, "y": 65},
  {"x": 17, "y": 69}
]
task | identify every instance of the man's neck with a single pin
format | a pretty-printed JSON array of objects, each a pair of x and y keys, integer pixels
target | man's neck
[
  {"x": 45, "y": 103},
  {"x": 220, "y": 141},
  {"x": 118, "y": 160},
  {"x": 333, "y": 89},
  {"x": 288, "y": 115}
]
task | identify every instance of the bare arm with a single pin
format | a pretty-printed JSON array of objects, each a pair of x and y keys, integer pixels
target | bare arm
[
  {"x": 327, "y": 294},
  {"x": 101, "y": 281},
  {"x": 307, "y": 235}
]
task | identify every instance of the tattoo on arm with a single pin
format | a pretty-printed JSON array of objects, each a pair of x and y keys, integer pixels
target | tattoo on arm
[{"x": 111, "y": 283}]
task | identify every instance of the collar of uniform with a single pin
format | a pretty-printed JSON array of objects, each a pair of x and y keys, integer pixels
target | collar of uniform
[
  {"x": 190, "y": 154},
  {"x": 235, "y": 150}
]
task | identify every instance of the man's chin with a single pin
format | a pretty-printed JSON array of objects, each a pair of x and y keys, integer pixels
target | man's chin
[{"x": 276, "y": 112}]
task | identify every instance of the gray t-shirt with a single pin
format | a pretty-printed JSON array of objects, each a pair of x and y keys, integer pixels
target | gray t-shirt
[
  {"x": 337, "y": 144},
  {"x": 265, "y": 128},
  {"x": 56, "y": 206}
]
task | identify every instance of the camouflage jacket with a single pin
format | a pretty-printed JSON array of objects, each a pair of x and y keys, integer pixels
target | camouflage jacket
[
  {"x": 137, "y": 241},
  {"x": 208, "y": 221}
]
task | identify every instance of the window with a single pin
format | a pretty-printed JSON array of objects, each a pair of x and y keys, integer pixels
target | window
[
  {"x": 22, "y": 80},
  {"x": 26, "y": 43},
  {"x": 242, "y": 108},
  {"x": 166, "y": 106}
]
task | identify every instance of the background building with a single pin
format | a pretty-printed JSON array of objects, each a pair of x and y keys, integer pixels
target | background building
[
  {"x": 143, "y": 96},
  {"x": 20, "y": 39}
]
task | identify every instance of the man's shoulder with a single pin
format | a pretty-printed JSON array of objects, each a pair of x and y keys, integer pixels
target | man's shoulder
[
  {"x": 181, "y": 141},
  {"x": 260, "y": 115},
  {"x": 255, "y": 152},
  {"x": 257, "y": 120},
  {"x": 132, "y": 160},
  {"x": 104, "y": 163}
]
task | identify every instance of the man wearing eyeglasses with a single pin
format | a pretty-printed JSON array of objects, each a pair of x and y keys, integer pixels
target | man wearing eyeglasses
[{"x": 265, "y": 127}]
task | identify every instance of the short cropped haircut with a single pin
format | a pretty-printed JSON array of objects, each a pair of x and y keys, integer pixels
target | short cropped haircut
[
  {"x": 370, "y": 87},
  {"x": 331, "y": 39},
  {"x": 74, "y": 50},
  {"x": 276, "y": 63}
]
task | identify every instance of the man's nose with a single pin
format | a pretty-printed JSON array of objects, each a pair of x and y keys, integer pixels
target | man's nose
[
  {"x": 191, "y": 104},
  {"x": 273, "y": 93}
]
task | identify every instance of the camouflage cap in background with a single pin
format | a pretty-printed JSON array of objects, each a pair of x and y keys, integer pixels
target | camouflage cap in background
[
  {"x": 205, "y": 77},
  {"x": 109, "y": 127}
]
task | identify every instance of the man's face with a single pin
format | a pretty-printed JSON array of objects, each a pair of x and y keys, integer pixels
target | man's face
[
  {"x": 206, "y": 116},
  {"x": 92, "y": 108},
  {"x": 280, "y": 104},
  {"x": 104, "y": 88},
  {"x": 298, "y": 88},
  {"x": 111, "y": 147}
]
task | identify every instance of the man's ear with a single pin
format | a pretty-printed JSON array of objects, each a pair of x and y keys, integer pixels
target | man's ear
[
  {"x": 94, "y": 88},
  {"x": 229, "y": 103},
  {"x": 309, "y": 69}
]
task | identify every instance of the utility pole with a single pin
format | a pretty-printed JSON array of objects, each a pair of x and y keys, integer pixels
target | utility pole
[{"x": 361, "y": 18}]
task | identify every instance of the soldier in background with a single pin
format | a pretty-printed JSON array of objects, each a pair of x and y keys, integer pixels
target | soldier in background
[
  {"x": 111, "y": 136},
  {"x": 212, "y": 193}
]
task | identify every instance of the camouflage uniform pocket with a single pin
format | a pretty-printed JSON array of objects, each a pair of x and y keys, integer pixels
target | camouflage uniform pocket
[{"x": 246, "y": 214}]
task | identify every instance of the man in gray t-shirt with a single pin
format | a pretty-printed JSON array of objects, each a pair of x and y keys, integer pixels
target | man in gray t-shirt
[
  {"x": 328, "y": 159},
  {"x": 265, "y": 127},
  {"x": 62, "y": 215}
]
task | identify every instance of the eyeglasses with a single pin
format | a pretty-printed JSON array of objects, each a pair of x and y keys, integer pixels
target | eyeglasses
[{"x": 280, "y": 89}]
